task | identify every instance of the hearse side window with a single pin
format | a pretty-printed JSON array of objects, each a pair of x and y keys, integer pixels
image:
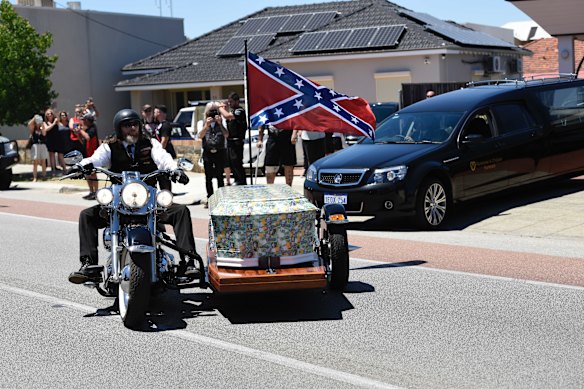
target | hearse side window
[
  {"x": 512, "y": 117},
  {"x": 479, "y": 124},
  {"x": 565, "y": 106}
]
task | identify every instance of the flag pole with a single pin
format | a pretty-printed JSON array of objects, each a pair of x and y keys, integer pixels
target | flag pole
[{"x": 247, "y": 103}]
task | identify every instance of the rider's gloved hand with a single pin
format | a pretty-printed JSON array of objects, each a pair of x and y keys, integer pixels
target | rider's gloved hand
[
  {"x": 180, "y": 176},
  {"x": 80, "y": 170}
]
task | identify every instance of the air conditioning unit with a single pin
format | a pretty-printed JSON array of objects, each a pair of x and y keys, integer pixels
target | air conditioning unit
[{"x": 496, "y": 67}]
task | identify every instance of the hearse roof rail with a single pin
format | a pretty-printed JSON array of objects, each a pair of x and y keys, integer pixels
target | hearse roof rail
[
  {"x": 496, "y": 82},
  {"x": 536, "y": 79}
]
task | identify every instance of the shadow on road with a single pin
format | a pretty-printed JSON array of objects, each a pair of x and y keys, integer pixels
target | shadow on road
[
  {"x": 386, "y": 265},
  {"x": 170, "y": 310},
  {"x": 474, "y": 211}
]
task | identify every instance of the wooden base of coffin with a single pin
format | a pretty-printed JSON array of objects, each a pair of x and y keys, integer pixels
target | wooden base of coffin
[{"x": 233, "y": 280}]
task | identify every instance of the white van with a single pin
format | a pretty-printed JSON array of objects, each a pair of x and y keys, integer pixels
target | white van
[{"x": 192, "y": 117}]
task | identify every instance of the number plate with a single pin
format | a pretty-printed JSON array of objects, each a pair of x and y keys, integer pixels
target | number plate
[{"x": 339, "y": 198}]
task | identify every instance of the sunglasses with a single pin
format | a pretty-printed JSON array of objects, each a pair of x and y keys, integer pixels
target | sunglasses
[{"x": 133, "y": 123}]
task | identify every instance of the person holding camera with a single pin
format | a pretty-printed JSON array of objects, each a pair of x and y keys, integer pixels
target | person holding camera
[
  {"x": 38, "y": 151},
  {"x": 236, "y": 127},
  {"x": 213, "y": 135}
]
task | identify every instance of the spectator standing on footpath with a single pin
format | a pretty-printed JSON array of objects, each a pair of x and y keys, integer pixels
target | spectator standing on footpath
[
  {"x": 213, "y": 135},
  {"x": 236, "y": 126},
  {"x": 163, "y": 129},
  {"x": 91, "y": 143},
  {"x": 38, "y": 150},
  {"x": 52, "y": 140},
  {"x": 77, "y": 135},
  {"x": 64, "y": 135},
  {"x": 148, "y": 125},
  {"x": 91, "y": 109},
  {"x": 313, "y": 146},
  {"x": 280, "y": 150},
  {"x": 162, "y": 132}
]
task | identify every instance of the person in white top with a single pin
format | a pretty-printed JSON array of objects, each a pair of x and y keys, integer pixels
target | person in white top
[{"x": 130, "y": 150}]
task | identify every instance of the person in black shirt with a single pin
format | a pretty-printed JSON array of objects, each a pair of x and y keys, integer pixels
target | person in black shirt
[
  {"x": 213, "y": 135},
  {"x": 162, "y": 132},
  {"x": 236, "y": 126}
]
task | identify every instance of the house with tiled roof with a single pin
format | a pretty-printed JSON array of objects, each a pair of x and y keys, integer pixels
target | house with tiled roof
[{"x": 367, "y": 48}]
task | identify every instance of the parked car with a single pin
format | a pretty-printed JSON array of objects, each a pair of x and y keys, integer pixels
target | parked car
[
  {"x": 8, "y": 158},
  {"x": 191, "y": 118},
  {"x": 381, "y": 111},
  {"x": 457, "y": 146}
]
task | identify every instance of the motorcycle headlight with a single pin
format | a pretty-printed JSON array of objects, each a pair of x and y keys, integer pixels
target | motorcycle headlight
[
  {"x": 134, "y": 195},
  {"x": 311, "y": 174},
  {"x": 388, "y": 174},
  {"x": 164, "y": 198},
  {"x": 104, "y": 196}
]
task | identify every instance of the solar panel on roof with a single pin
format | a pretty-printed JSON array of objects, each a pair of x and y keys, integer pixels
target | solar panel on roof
[
  {"x": 319, "y": 19},
  {"x": 387, "y": 36},
  {"x": 296, "y": 23},
  {"x": 255, "y": 43},
  {"x": 424, "y": 18},
  {"x": 469, "y": 37},
  {"x": 273, "y": 24},
  {"x": 333, "y": 40},
  {"x": 309, "y": 41},
  {"x": 360, "y": 38},
  {"x": 251, "y": 26}
]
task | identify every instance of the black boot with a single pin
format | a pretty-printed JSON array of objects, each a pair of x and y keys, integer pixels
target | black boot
[{"x": 88, "y": 272}]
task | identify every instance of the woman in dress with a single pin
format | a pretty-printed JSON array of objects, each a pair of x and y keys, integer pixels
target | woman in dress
[
  {"x": 38, "y": 151},
  {"x": 51, "y": 126}
]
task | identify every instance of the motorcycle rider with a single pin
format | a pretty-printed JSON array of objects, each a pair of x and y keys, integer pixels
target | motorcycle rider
[{"x": 130, "y": 150}]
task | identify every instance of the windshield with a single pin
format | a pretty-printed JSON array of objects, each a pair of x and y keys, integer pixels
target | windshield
[
  {"x": 417, "y": 127},
  {"x": 184, "y": 117}
]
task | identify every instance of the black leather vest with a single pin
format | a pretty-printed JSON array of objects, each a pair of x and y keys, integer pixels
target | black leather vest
[{"x": 121, "y": 160}]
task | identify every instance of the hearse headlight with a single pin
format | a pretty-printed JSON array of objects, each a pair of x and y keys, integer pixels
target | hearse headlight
[
  {"x": 104, "y": 196},
  {"x": 388, "y": 174},
  {"x": 311, "y": 174},
  {"x": 135, "y": 195}
]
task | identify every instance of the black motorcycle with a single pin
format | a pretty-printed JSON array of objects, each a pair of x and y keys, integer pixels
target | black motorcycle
[{"x": 137, "y": 263}]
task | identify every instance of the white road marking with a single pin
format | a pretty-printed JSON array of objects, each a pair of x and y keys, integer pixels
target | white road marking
[{"x": 288, "y": 362}]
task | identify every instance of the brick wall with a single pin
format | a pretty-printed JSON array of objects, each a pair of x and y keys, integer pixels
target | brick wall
[{"x": 545, "y": 57}]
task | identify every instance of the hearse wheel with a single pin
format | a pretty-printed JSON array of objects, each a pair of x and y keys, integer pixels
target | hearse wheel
[
  {"x": 431, "y": 204},
  {"x": 338, "y": 257}
]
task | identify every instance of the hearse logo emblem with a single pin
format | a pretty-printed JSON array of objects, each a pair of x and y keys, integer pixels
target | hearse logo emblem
[
  {"x": 338, "y": 178},
  {"x": 473, "y": 165}
]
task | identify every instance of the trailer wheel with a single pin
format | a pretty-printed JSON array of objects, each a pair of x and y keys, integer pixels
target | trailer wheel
[{"x": 338, "y": 253}]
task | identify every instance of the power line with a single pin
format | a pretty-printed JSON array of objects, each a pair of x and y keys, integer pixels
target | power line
[{"x": 112, "y": 27}]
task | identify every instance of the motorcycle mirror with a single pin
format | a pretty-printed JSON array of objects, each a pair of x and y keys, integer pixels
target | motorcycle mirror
[
  {"x": 185, "y": 164},
  {"x": 73, "y": 157}
]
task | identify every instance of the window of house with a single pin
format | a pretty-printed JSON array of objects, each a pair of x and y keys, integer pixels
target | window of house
[
  {"x": 388, "y": 85},
  {"x": 327, "y": 81}
]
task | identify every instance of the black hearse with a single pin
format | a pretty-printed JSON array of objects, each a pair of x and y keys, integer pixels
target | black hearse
[{"x": 457, "y": 146}]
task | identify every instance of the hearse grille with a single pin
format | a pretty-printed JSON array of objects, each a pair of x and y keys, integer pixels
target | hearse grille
[{"x": 341, "y": 177}]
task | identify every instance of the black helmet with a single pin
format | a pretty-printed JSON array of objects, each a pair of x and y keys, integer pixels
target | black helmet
[{"x": 122, "y": 116}]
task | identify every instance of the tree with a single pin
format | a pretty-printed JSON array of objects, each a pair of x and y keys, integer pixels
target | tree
[{"x": 25, "y": 86}]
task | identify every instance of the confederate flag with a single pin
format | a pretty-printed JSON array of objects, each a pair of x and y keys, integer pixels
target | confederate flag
[{"x": 285, "y": 99}]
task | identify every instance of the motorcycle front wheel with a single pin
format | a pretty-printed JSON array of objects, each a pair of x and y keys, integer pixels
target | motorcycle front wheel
[{"x": 134, "y": 289}]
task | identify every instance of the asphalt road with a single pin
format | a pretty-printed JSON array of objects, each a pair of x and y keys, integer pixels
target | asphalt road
[{"x": 461, "y": 308}]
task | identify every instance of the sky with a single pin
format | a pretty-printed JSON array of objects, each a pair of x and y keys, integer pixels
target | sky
[{"x": 202, "y": 16}]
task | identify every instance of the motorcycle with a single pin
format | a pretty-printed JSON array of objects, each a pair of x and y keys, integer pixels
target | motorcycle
[{"x": 137, "y": 263}]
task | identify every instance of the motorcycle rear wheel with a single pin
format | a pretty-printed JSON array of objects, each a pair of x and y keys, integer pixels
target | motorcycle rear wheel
[{"x": 134, "y": 303}]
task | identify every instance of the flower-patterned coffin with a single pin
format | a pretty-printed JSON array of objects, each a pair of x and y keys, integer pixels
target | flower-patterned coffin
[{"x": 254, "y": 222}]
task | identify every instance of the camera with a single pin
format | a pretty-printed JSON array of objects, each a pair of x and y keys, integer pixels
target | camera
[{"x": 212, "y": 113}]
